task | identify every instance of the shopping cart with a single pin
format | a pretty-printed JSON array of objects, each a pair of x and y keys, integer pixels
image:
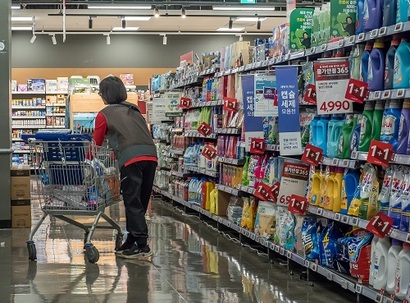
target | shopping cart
[{"x": 74, "y": 177}]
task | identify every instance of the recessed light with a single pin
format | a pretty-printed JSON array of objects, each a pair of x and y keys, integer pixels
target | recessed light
[
  {"x": 243, "y": 8},
  {"x": 22, "y": 19},
  {"x": 233, "y": 29},
  {"x": 21, "y": 28},
  {"x": 129, "y": 28},
  {"x": 136, "y": 18},
  {"x": 250, "y": 19},
  {"x": 119, "y": 7},
  {"x": 15, "y": 7}
]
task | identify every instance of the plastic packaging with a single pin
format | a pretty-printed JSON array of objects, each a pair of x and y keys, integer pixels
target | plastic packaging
[
  {"x": 392, "y": 259},
  {"x": 372, "y": 14},
  {"x": 372, "y": 258},
  {"x": 335, "y": 126},
  {"x": 401, "y": 77},
  {"x": 402, "y": 11},
  {"x": 343, "y": 150},
  {"x": 403, "y": 272},
  {"x": 389, "y": 66},
  {"x": 404, "y": 127},
  {"x": 366, "y": 126},
  {"x": 376, "y": 66},
  {"x": 380, "y": 263},
  {"x": 390, "y": 123},
  {"x": 349, "y": 185},
  {"x": 365, "y": 61}
]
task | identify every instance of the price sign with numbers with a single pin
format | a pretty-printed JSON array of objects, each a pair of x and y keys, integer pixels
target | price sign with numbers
[
  {"x": 209, "y": 152},
  {"x": 205, "y": 129},
  {"x": 332, "y": 78},
  {"x": 274, "y": 191},
  {"x": 258, "y": 146},
  {"x": 380, "y": 153},
  {"x": 294, "y": 179},
  {"x": 380, "y": 225},
  {"x": 297, "y": 204},
  {"x": 230, "y": 104},
  {"x": 357, "y": 91},
  {"x": 262, "y": 192},
  {"x": 312, "y": 155},
  {"x": 310, "y": 94},
  {"x": 185, "y": 102}
]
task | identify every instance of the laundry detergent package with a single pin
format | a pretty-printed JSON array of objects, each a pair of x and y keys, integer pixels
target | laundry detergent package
[
  {"x": 328, "y": 242},
  {"x": 310, "y": 239},
  {"x": 285, "y": 224},
  {"x": 265, "y": 222}
]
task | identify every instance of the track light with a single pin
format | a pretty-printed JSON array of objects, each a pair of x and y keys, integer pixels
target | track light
[
  {"x": 164, "y": 40},
  {"x": 156, "y": 13},
  {"x": 53, "y": 39},
  {"x": 183, "y": 15},
  {"x": 108, "y": 40},
  {"x": 240, "y": 38},
  {"x": 258, "y": 24},
  {"x": 33, "y": 38},
  {"x": 230, "y": 23},
  {"x": 123, "y": 23},
  {"x": 90, "y": 23}
]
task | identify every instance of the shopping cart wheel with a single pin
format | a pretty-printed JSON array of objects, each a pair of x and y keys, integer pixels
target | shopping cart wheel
[
  {"x": 118, "y": 241},
  {"x": 91, "y": 253},
  {"x": 32, "y": 252}
]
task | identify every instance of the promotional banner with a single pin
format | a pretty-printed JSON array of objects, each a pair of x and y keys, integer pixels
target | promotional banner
[
  {"x": 265, "y": 96},
  {"x": 172, "y": 104},
  {"x": 289, "y": 118},
  {"x": 332, "y": 78},
  {"x": 301, "y": 28}
]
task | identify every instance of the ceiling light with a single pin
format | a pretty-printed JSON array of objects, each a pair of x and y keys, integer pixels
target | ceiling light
[
  {"x": 21, "y": 28},
  {"x": 230, "y": 23},
  {"x": 258, "y": 25},
  {"x": 22, "y": 19},
  {"x": 243, "y": 8},
  {"x": 250, "y": 19},
  {"x": 136, "y": 18},
  {"x": 183, "y": 15},
  {"x": 164, "y": 40},
  {"x": 123, "y": 23},
  {"x": 90, "y": 23},
  {"x": 156, "y": 13},
  {"x": 108, "y": 40},
  {"x": 33, "y": 38},
  {"x": 53, "y": 39},
  {"x": 129, "y": 28},
  {"x": 233, "y": 29},
  {"x": 15, "y": 7},
  {"x": 119, "y": 7}
]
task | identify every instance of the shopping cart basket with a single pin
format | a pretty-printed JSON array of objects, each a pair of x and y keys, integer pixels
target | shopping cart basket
[{"x": 74, "y": 177}]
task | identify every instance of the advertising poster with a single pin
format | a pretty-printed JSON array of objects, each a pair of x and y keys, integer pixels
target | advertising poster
[
  {"x": 301, "y": 28},
  {"x": 265, "y": 96}
]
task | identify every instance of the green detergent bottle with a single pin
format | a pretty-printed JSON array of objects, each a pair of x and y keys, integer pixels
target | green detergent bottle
[
  {"x": 343, "y": 151},
  {"x": 377, "y": 120},
  {"x": 366, "y": 127}
]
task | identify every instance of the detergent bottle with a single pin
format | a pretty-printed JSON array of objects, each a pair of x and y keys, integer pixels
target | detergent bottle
[
  {"x": 375, "y": 77},
  {"x": 397, "y": 189},
  {"x": 365, "y": 61},
  {"x": 401, "y": 75},
  {"x": 389, "y": 69},
  {"x": 392, "y": 259},
  {"x": 377, "y": 120},
  {"x": 322, "y": 133},
  {"x": 213, "y": 200},
  {"x": 405, "y": 207},
  {"x": 380, "y": 263},
  {"x": 402, "y": 11},
  {"x": 337, "y": 189},
  {"x": 328, "y": 197},
  {"x": 403, "y": 272},
  {"x": 372, "y": 257},
  {"x": 315, "y": 194},
  {"x": 355, "y": 58},
  {"x": 389, "y": 12},
  {"x": 359, "y": 17},
  {"x": 391, "y": 123},
  {"x": 404, "y": 126},
  {"x": 327, "y": 174},
  {"x": 333, "y": 132},
  {"x": 350, "y": 183},
  {"x": 366, "y": 127},
  {"x": 372, "y": 14},
  {"x": 313, "y": 130},
  {"x": 384, "y": 195},
  {"x": 346, "y": 132},
  {"x": 355, "y": 139}
]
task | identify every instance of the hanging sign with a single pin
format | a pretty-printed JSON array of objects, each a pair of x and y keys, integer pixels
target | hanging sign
[
  {"x": 380, "y": 225},
  {"x": 357, "y": 91},
  {"x": 297, "y": 204},
  {"x": 312, "y": 155},
  {"x": 380, "y": 153},
  {"x": 265, "y": 96}
]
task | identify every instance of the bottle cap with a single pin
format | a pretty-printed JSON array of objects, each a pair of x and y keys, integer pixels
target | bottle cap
[
  {"x": 396, "y": 242},
  {"x": 378, "y": 44}
]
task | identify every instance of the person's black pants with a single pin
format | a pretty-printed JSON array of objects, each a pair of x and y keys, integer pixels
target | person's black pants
[{"x": 136, "y": 187}]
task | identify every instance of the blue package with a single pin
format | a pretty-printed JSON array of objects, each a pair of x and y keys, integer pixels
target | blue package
[
  {"x": 310, "y": 239},
  {"x": 329, "y": 249}
]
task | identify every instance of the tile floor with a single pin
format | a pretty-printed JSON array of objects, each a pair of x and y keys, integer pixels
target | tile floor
[{"x": 192, "y": 263}]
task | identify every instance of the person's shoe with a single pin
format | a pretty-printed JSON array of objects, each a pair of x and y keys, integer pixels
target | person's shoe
[
  {"x": 136, "y": 252},
  {"x": 126, "y": 245}
]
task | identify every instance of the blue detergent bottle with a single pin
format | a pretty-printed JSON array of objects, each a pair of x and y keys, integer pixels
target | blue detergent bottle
[
  {"x": 322, "y": 126},
  {"x": 372, "y": 14},
  {"x": 313, "y": 130},
  {"x": 389, "y": 12},
  {"x": 376, "y": 68},
  {"x": 389, "y": 67},
  {"x": 401, "y": 76},
  {"x": 365, "y": 61},
  {"x": 402, "y": 11},
  {"x": 349, "y": 185},
  {"x": 404, "y": 128},
  {"x": 359, "y": 17},
  {"x": 391, "y": 123},
  {"x": 355, "y": 139},
  {"x": 334, "y": 128}
]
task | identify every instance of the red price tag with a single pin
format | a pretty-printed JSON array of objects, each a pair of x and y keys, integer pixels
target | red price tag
[
  {"x": 262, "y": 192},
  {"x": 205, "y": 129},
  {"x": 380, "y": 153},
  {"x": 297, "y": 204},
  {"x": 310, "y": 94},
  {"x": 380, "y": 225},
  {"x": 185, "y": 102},
  {"x": 209, "y": 152},
  {"x": 274, "y": 192},
  {"x": 312, "y": 155},
  {"x": 230, "y": 104},
  {"x": 357, "y": 91},
  {"x": 258, "y": 146}
]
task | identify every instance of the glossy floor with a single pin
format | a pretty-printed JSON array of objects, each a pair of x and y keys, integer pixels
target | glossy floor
[{"x": 192, "y": 263}]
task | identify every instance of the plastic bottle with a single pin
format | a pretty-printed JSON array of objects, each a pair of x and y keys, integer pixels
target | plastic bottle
[
  {"x": 313, "y": 130},
  {"x": 384, "y": 195},
  {"x": 337, "y": 189},
  {"x": 349, "y": 186},
  {"x": 334, "y": 128},
  {"x": 402, "y": 11},
  {"x": 315, "y": 194},
  {"x": 401, "y": 75},
  {"x": 392, "y": 259},
  {"x": 376, "y": 66},
  {"x": 365, "y": 61},
  {"x": 403, "y": 272},
  {"x": 405, "y": 207},
  {"x": 366, "y": 127},
  {"x": 389, "y": 68},
  {"x": 372, "y": 14},
  {"x": 355, "y": 139},
  {"x": 389, "y": 12},
  {"x": 380, "y": 263},
  {"x": 390, "y": 124},
  {"x": 377, "y": 120},
  {"x": 329, "y": 189},
  {"x": 404, "y": 128},
  {"x": 322, "y": 133},
  {"x": 396, "y": 197},
  {"x": 372, "y": 257},
  {"x": 359, "y": 16},
  {"x": 355, "y": 61},
  {"x": 346, "y": 132}
]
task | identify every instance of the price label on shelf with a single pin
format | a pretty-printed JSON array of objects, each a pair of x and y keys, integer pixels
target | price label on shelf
[
  {"x": 380, "y": 225},
  {"x": 312, "y": 155},
  {"x": 262, "y": 192},
  {"x": 310, "y": 94},
  {"x": 297, "y": 204},
  {"x": 258, "y": 146},
  {"x": 209, "y": 152},
  {"x": 357, "y": 91},
  {"x": 230, "y": 104},
  {"x": 185, "y": 102},
  {"x": 205, "y": 129},
  {"x": 380, "y": 153},
  {"x": 274, "y": 191}
]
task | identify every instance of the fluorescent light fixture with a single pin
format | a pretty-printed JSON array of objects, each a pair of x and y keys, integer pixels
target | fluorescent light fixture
[
  {"x": 250, "y": 19},
  {"x": 33, "y": 39},
  {"x": 22, "y": 19},
  {"x": 164, "y": 40},
  {"x": 53, "y": 39},
  {"x": 21, "y": 28},
  {"x": 243, "y": 8},
  {"x": 129, "y": 28},
  {"x": 15, "y": 7},
  {"x": 108, "y": 40},
  {"x": 136, "y": 18},
  {"x": 156, "y": 13},
  {"x": 233, "y": 29},
  {"x": 120, "y": 7}
]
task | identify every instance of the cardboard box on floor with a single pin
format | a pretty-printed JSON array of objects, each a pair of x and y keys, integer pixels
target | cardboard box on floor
[
  {"x": 21, "y": 216},
  {"x": 20, "y": 182}
]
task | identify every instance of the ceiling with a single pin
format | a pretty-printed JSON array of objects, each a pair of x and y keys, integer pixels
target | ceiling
[{"x": 201, "y": 18}]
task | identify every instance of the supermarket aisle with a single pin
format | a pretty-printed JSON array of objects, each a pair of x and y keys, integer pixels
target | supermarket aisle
[{"x": 192, "y": 264}]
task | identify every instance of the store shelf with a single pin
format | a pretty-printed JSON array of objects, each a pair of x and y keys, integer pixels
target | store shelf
[
  {"x": 200, "y": 104},
  {"x": 246, "y": 189},
  {"x": 21, "y": 151},
  {"x": 17, "y": 139},
  {"x": 345, "y": 163},
  {"x": 228, "y": 131},
  {"x": 193, "y": 80},
  {"x": 177, "y": 130},
  {"x": 56, "y": 105},
  {"x": 227, "y": 189},
  {"x": 28, "y": 126},
  {"x": 202, "y": 171},
  {"x": 27, "y": 107},
  {"x": 272, "y": 147},
  {"x": 240, "y": 162},
  {"x": 207, "y": 72},
  {"x": 29, "y": 93},
  {"x": 56, "y": 115},
  {"x": 178, "y": 174},
  {"x": 56, "y": 126},
  {"x": 196, "y": 134},
  {"x": 57, "y": 92},
  {"x": 27, "y": 117},
  {"x": 177, "y": 151},
  {"x": 398, "y": 159}
]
